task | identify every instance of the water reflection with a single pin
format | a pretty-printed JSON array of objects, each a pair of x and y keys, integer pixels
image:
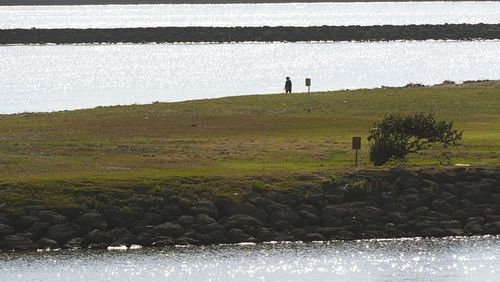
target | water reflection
[
  {"x": 291, "y": 14},
  {"x": 476, "y": 258},
  {"x": 48, "y": 78}
]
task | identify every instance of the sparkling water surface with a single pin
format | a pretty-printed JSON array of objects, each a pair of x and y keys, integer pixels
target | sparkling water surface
[
  {"x": 447, "y": 259},
  {"x": 64, "y": 77},
  {"x": 287, "y": 14}
]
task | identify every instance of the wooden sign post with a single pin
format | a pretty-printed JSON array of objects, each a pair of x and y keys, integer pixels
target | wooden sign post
[
  {"x": 356, "y": 145},
  {"x": 308, "y": 84}
]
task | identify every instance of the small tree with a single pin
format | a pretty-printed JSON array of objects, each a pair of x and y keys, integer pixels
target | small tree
[{"x": 396, "y": 136}]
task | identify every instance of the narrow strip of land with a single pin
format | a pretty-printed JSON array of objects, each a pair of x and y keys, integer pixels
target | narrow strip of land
[
  {"x": 251, "y": 34},
  {"x": 132, "y": 2}
]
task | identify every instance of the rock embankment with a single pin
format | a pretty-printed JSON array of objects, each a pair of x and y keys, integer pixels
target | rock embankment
[
  {"x": 251, "y": 34},
  {"x": 366, "y": 204}
]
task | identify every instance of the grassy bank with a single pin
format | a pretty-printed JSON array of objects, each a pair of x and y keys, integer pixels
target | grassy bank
[{"x": 222, "y": 146}]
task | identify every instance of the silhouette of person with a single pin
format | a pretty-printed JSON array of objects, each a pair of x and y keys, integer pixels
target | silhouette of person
[{"x": 288, "y": 85}]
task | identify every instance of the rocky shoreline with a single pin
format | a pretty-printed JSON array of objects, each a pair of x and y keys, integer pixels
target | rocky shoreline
[
  {"x": 364, "y": 204},
  {"x": 251, "y": 34}
]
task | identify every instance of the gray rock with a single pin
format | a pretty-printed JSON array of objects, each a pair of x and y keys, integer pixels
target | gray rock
[
  {"x": 16, "y": 242},
  {"x": 204, "y": 219},
  {"x": 287, "y": 215},
  {"x": 281, "y": 225},
  {"x": 426, "y": 224},
  {"x": 163, "y": 241},
  {"x": 22, "y": 223},
  {"x": 308, "y": 208},
  {"x": 328, "y": 232},
  {"x": 492, "y": 228},
  {"x": 6, "y": 230},
  {"x": 442, "y": 207},
  {"x": 216, "y": 237},
  {"x": 313, "y": 237},
  {"x": 44, "y": 243},
  {"x": 239, "y": 220},
  {"x": 238, "y": 236},
  {"x": 185, "y": 220},
  {"x": 97, "y": 236},
  {"x": 169, "y": 229},
  {"x": 206, "y": 208},
  {"x": 92, "y": 220},
  {"x": 120, "y": 232},
  {"x": 397, "y": 217},
  {"x": 74, "y": 243},
  {"x": 210, "y": 228},
  {"x": 39, "y": 228},
  {"x": 474, "y": 228},
  {"x": 184, "y": 240},
  {"x": 343, "y": 235},
  {"x": 152, "y": 218},
  {"x": 455, "y": 232},
  {"x": 433, "y": 232},
  {"x": 478, "y": 196},
  {"x": 451, "y": 224},
  {"x": 332, "y": 213},
  {"x": 308, "y": 218},
  {"x": 267, "y": 234},
  {"x": 114, "y": 218},
  {"x": 245, "y": 209},
  {"x": 5, "y": 219},
  {"x": 63, "y": 232},
  {"x": 51, "y": 217}
]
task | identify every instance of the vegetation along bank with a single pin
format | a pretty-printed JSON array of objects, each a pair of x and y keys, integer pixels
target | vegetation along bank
[
  {"x": 251, "y": 34},
  {"x": 178, "y": 173}
]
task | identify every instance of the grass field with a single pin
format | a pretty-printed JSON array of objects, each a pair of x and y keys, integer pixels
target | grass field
[{"x": 257, "y": 137}]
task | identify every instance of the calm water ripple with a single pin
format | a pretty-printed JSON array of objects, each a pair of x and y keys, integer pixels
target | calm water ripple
[
  {"x": 49, "y": 78},
  {"x": 291, "y": 14},
  {"x": 459, "y": 259}
]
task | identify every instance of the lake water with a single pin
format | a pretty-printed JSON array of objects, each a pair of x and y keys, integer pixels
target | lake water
[
  {"x": 447, "y": 259},
  {"x": 49, "y": 78},
  {"x": 287, "y": 14}
]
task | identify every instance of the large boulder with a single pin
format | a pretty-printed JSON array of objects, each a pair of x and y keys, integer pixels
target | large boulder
[
  {"x": 97, "y": 236},
  {"x": 308, "y": 218},
  {"x": 150, "y": 218},
  {"x": 206, "y": 208},
  {"x": 479, "y": 197},
  {"x": 204, "y": 219},
  {"x": 44, "y": 243},
  {"x": 239, "y": 236},
  {"x": 168, "y": 229},
  {"x": 115, "y": 218},
  {"x": 287, "y": 215},
  {"x": 246, "y": 209},
  {"x": 240, "y": 220},
  {"x": 92, "y": 220},
  {"x": 433, "y": 232},
  {"x": 39, "y": 228},
  {"x": 63, "y": 232},
  {"x": 22, "y": 223},
  {"x": 332, "y": 215},
  {"x": 16, "y": 242},
  {"x": 51, "y": 217},
  {"x": 6, "y": 230}
]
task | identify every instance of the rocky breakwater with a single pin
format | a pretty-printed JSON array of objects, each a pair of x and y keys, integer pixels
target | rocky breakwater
[
  {"x": 364, "y": 204},
  {"x": 251, "y": 34}
]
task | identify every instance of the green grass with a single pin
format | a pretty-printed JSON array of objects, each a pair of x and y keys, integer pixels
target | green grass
[{"x": 235, "y": 140}]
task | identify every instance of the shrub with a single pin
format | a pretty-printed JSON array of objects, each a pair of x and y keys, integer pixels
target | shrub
[{"x": 396, "y": 136}]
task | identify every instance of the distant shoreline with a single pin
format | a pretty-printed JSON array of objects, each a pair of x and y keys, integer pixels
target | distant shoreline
[
  {"x": 251, "y": 34},
  {"x": 137, "y": 2}
]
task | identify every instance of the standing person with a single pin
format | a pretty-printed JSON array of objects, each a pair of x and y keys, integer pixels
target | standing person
[{"x": 288, "y": 85}]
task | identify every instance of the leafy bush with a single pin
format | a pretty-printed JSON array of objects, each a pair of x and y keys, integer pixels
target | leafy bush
[{"x": 396, "y": 136}]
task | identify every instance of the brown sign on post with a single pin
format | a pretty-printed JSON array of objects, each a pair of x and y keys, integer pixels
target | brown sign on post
[
  {"x": 356, "y": 143},
  {"x": 308, "y": 82}
]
